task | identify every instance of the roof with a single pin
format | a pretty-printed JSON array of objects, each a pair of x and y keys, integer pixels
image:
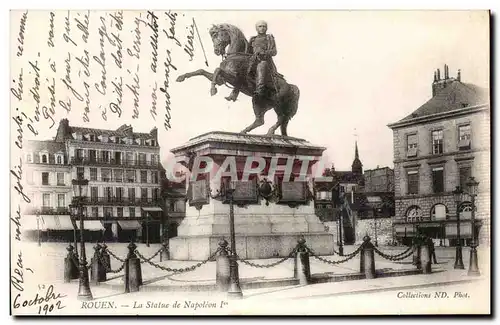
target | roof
[
  {"x": 120, "y": 133},
  {"x": 456, "y": 95},
  {"x": 50, "y": 146}
]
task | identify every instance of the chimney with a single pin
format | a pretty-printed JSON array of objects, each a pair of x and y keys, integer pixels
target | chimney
[
  {"x": 446, "y": 76},
  {"x": 459, "y": 78},
  {"x": 439, "y": 74}
]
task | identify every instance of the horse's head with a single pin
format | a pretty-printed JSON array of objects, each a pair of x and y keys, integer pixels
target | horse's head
[{"x": 221, "y": 38}]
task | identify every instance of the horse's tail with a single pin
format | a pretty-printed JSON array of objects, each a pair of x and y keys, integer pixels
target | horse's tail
[{"x": 290, "y": 106}]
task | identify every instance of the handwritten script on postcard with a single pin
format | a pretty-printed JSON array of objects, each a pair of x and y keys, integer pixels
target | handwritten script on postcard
[{"x": 94, "y": 66}]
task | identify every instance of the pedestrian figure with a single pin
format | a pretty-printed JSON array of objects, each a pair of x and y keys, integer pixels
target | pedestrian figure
[{"x": 432, "y": 250}]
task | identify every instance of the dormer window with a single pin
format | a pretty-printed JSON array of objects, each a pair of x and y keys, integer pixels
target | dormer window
[
  {"x": 29, "y": 158},
  {"x": 104, "y": 138},
  {"x": 92, "y": 137},
  {"x": 45, "y": 158},
  {"x": 59, "y": 159},
  {"x": 117, "y": 140}
]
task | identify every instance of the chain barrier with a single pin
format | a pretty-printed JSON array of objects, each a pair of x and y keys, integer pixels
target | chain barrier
[
  {"x": 181, "y": 270},
  {"x": 154, "y": 255},
  {"x": 77, "y": 263},
  {"x": 348, "y": 257},
  {"x": 262, "y": 266},
  {"x": 398, "y": 257},
  {"x": 108, "y": 267},
  {"x": 116, "y": 257}
]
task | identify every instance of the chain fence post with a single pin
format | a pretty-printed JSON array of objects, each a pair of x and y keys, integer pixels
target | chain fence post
[
  {"x": 105, "y": 256},
  {"x": 302, "y": 270},
  {"x": 165, "y": 254},
  {"x": 222, "y": 271},
  {"x": 425, "y": 258},
  {"x": 70, "y": 269},
  {"x": 362, "y": 254},
  {"x": 416, "y": 252},
  {"x": 95, "y": 265},
  {"x": 369, "y": 258},
  {"x": 133, "y": 277}
]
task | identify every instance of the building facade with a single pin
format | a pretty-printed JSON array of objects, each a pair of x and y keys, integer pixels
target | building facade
[
  {"x": 436, "y": 148},
  {"x": 123, "y": 168}
]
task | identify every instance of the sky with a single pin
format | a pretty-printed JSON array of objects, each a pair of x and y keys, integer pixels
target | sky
[{"x": 357, "y": 72}]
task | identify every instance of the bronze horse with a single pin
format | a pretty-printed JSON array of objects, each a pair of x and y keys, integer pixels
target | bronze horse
[{"x": 280, "y": 95}]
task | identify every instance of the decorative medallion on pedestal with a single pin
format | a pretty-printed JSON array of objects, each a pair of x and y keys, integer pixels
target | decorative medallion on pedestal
[
  {"x": 198, "y": 193},
  {"x": 268, "y": 191}
]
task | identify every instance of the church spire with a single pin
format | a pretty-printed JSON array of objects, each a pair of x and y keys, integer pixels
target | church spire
[{"x": 357, "y": 166}]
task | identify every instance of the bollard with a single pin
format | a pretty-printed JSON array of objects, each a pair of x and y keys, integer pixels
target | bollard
[
  {"x": 362, "y": 254},
  {"x": 302, "y": 270},
  {"x": 95, "y": 265},
  {"x": 133, "y": 276},
  {"x": 165, "y": 254},
  {"x": 222, "y": 275},
  {"x": 369, "y": 258},
  {"x": 106, "y": 259},
  {"x": 70, "y": 269},
  {"x": 425, "y": 258}
]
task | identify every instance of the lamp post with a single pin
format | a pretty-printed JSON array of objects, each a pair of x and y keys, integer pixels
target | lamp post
[
  {"x": 340, "y": 225},
  {"x": 375, "y": 211},
  {"x": 234, "y": 288},
  {"x": 80, "y": 187},
  {"x": 472, "y": 186},
  {"x": 457, "y": 195},
  {"x": 38, "y": 227}
]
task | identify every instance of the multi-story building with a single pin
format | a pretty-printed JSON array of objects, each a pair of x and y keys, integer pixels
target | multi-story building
[
  {"x": 436, "y": 148},
  {"x": 174, "y": 194},
  {"x": 124, "y": 194}
]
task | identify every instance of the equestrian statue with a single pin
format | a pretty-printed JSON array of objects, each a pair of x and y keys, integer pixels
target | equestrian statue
[{"x": 248, "y": 67}]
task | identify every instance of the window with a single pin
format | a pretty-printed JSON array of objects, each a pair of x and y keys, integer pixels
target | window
[
  {"x": 92, "y": 137},
  {"x": 119, "y": 212},
  {"x": 464, "y": 137},
  {"x": 60, "y": 178},
  {"x": 93, "y": 194},
  {"x": 79, "y": 154},
  {"x": 105, "y": 156},
  {"x": 414, "y": 213},
  {"x": 119, "y": 194},
  {"x": 45, "y": 178},
  {"x": 80, "y": 173},
  {"x": 142, "y": 159},
  {"x": 93, "y": 156},
  {"x": 144, "y": 176},
  {"x": 108, "y": 212},
  {"x": 437, "y": 180},
  {"x": 29, "y": 158},
  {"x": 130, "y": 158},
  {"x": 144, "y": 194},
  {"x": 465, "y": 173},
  {"x": 131, "y": 212},
  {"x": 118, "y": 174},
  {"x": 131, "y": 194},
  {"x": 59, "y": 160},
  {"x": 108, "y": 193},
  {"x": 60, "y": 201},
  {"x": 411, "y": 140},
  {"x": 46, "y": 200},
  {"x": 106, "y": 175},
  {"x": 44, "y": 159},
  {"x": 153, "y": 160},
  {"x": 130, "y": 176},
  {"x": 413, "y": 182},
  {"x": 93, "y": 174},
  {"x": 437, "y": 142},
  {"x": 438, "y": 212},
  {"x": 156, "y": 194},
  {"x": 154, "y": 176},
  {"x": 95, "y": 212}
]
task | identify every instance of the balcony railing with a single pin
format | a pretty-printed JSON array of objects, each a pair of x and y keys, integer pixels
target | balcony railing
[
  {"x": 113, "y": 162},
  {"x": 123, "y": 179},
  {"x": 124, "y": 201},
  {"x": 47, "y": 210}
]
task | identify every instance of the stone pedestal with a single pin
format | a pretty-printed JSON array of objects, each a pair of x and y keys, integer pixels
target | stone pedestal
[{"x": 264, "y": 227}]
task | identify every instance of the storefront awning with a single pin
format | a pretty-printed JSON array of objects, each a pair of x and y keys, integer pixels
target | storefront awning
[
  {"x": 29, "y": 223},
  {"x": 129, "y": 224},
  {"x": 465, "y": 230},
  {"x": 57, "y": 222},
  {"x": 90, "y": 225},
  {"x": 152, "y": 209}
]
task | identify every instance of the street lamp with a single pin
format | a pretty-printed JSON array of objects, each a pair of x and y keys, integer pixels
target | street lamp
[
  {"x": 472, "y": 186},
  {"x": 234, "y": 288},
  {"x": 80, "y": 187},
  {"x": 38, "y": 226},
  {"x": 340, "y": 224},
  {"x": 457, "y": 195}
]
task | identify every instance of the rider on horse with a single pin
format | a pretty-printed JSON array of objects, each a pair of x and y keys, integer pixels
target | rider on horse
[{"x": 263, "y": 48}]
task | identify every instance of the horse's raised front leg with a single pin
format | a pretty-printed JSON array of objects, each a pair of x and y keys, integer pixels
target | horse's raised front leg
[
  {"x": 199, "y": 72},
  {"x": 213, "y": 90}
]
